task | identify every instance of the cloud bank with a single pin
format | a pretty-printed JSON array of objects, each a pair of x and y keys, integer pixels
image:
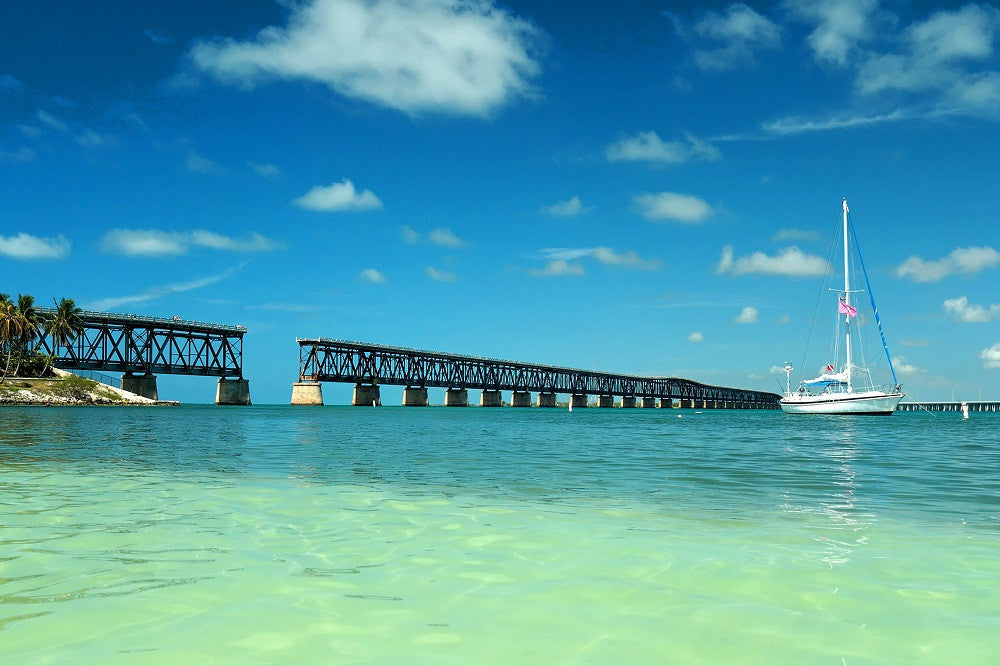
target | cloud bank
[
  {"x": 25, "y": 247},
  {"x": 965, "y": 260},
  {"x": 338, "y": 197},
  {"x": 790, "y": 261},
  {"x": 457, "y": 56},
  {"x": 156, "y": 243}
]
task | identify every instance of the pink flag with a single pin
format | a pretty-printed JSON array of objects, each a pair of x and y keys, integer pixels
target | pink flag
[{"x": 846, "y": 309}]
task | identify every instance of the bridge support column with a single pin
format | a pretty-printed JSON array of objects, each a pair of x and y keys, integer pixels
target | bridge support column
[
  {"x": 490, "y": 398},
  {"x": 520, "y": 399},
  {"x": 307, "y": 393},
  {"x": 415, "y": 396},
  {"x": 144, "y": 385},
  {"x": 648, "y": 402},
  {"x": 666, "y": 403},
  {"x": 366, "y": 395},
  {"x": 578, "y": 400},
  {"x": 628, "y": 401},
  {"x": 546, "y": 399},
  {"x": 605, "y": 401},
  {"x": 232, "y": 391},
  {"x": 456, "y": 398}
]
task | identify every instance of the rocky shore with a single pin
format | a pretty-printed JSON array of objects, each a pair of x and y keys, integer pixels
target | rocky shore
[{"x": 65, "y": 389}]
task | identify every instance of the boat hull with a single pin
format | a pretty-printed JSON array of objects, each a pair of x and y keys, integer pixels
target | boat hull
[{"x": 868, "y": 402}]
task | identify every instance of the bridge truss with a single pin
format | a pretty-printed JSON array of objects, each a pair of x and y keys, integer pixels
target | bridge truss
[
  {"x": 149, "y": 345},
  {"x": 324, "y": 360}
]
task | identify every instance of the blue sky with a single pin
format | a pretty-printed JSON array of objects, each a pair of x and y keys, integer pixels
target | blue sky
[{"x": 640, "y": 187}]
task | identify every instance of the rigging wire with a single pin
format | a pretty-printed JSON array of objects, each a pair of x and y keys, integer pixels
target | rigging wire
[{"x": 819, "y": 298}]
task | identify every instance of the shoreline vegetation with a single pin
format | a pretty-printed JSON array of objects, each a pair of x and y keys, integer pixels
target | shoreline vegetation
[{"x": 65, "y": 388}]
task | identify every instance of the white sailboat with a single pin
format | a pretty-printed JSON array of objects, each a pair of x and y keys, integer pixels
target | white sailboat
[{"x": 849, "y": 391}]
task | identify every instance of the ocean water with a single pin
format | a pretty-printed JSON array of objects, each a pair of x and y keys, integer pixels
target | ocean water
[{"x": 330, "y": 535}]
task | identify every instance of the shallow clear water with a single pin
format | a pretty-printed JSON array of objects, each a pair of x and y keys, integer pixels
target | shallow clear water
[{"x": 394, "y": 535}]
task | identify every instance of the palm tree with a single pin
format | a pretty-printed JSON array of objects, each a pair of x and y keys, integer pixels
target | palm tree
[
  {"x": 63, "y": 326},
  {"x": 10, "y": 330},
  {"x": 31, "y": 327}
]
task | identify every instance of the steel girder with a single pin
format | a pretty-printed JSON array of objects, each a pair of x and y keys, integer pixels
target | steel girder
[
  {"x": 326, "y": 360},
  {"x": 144, "y": 345}
]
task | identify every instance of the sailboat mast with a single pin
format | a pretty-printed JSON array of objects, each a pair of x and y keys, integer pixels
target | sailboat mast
[{"x": 847, "y": 301}]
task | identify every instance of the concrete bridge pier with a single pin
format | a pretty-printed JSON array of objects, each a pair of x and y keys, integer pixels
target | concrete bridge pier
[
  {"x": 490, "y": 398},
  {"x": 307, "y": 393},
  {"x": 628, "y": 402},
  {"x": 144, "y": 385},
  {"x": 415, "y": 396},
  {"x": 546, "y": 399},
  {"x": 456, "y": 398},
  {"x": 520, "y": 399},
  {"x": 666, "y": 403},
  {"x": 578, "y": 400},
  {"x": 648, "y": 403},
  {"x": 232, "y": 391},
  {"x": 366, "y": 395}
]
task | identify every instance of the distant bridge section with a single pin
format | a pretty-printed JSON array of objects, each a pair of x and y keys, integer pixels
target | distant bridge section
[
  {"x": 142, "y": 347},
  {"x": 368, "y": 366}
]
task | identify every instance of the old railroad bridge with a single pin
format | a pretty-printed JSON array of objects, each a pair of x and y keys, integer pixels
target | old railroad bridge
[
  {"x": 368, "y": 366},
  {"x": 142, "y": 347}
]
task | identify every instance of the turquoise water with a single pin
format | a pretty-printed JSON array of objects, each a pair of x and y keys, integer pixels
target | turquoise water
[{"x": 456, "y": 536}]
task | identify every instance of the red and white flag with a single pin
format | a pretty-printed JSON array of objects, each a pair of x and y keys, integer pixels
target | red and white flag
[{"x": 846, "y": 309}]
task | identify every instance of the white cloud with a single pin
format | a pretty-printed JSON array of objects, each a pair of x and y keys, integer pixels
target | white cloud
[
  {"x": 789, "y": 234},
  {"x": 936, "y": 53},
  {"x": 23, "y": 154},
  {"x": 156, "y": 243},
  {"x": 649, "y": 147},
  {"x": 991, "y": 356},
  {"x": 264, "y": 170},
  {"x": 200, "y": 164},
  {"x": 457, "y": 56},
  {"x": 10, "y": 85},
  {"x": 440, "y": 276},
  {"x": 255, "y": 243},
  {"x": 841, "y": 26},
  {"x": 960, "y": 309},
  {"x": 25, "y": 247},
  {"x": 741, "y": 31},
  {"x": 628, "y": 259},
  {"x": 444, "y": 237},
  {"x": 157, "y": 38},
  {"x": 372, "y": 275},
  {"x": 156, "y": 292},
  {"x": 790, "y": 261},
  {"x": 748, "y": 315},
  {"x": 48, "y": 119},
  {"x": 88, "y": 138},
  {"x": 569, "y": 208},
  {"x": 558, "y": 268},
  {"x": 560, "y": 258},
  {"x": 800, "y": 125},
  {"x": 671, "y": 206},
  {"x": 903, "y": 367},
  {"x": 338, "y": 197},
  {"x": 695, "y": 336},
  {"x": 409, "y": 235},
  {"x": 967, "y": 260}
]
